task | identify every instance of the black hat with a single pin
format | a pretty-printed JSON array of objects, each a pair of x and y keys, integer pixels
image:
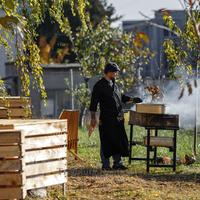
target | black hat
[{"x": 111, "y": 67}]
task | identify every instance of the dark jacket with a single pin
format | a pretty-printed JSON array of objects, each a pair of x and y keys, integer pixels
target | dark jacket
[{"x": 111, "y": 125}]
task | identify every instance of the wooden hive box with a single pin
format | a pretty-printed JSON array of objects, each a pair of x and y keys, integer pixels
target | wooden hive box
[
  {"x": 17, "y": 107},
  {"x": 150, "y": 108},
  {"x": 12, "y": 165},
  {"x": 45, "y": 151}
]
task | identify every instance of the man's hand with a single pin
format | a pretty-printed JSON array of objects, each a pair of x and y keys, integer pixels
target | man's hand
[
  {"x": 136, "y": 100},
  {"x": 93, "y": 123}
]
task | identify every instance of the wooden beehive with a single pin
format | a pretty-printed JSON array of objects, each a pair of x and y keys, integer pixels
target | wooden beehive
[
  {"x": 40, "y": 151},
  {"x": 150, "y": 108},
  {"x": 17, "y": 107},
  {"x": 154, "y": 120},
  {"x": 12, "y": 165}
]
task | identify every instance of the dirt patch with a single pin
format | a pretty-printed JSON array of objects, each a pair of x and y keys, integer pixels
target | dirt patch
[{"x": 87, "y": 182}]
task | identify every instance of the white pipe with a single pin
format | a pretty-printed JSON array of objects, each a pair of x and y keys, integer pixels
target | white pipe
[{"x": 72, "y": 88}]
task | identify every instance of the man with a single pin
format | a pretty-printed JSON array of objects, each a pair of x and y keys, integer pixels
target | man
[{"x": 113, "y": 137}]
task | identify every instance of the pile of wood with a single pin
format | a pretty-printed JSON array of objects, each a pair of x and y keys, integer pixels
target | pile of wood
[
  {"x": 33, "y": 154},
  {"x": 15, "y": 108}
]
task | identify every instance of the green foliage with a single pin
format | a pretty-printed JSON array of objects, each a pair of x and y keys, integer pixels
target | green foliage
[
  {"x": 53, "y": 25},
  {"x": 183, "y": 53},
  {"x": 100, "y": 44},
  {"x": 21, "y": 18},
  {"x": 81, "y": 93}
]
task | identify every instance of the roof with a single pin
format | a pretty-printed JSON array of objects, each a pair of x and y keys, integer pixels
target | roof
[{"x": 61, "y": 66}]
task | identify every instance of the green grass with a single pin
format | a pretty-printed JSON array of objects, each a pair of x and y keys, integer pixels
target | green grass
[
  {"x": 135, "y": 183},
  {"x": 89, "y": 147}
]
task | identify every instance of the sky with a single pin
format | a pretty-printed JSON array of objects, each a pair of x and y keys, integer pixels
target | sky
[{"x": 129, "y": 9}]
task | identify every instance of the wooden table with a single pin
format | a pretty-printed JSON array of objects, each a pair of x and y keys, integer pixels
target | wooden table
[{"x": 154, "y": 122}]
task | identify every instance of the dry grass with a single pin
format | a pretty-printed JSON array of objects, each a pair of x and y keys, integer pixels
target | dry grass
[{"x": 87, "y": 182}]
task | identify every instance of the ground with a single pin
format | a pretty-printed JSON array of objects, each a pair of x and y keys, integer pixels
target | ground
[{"x": 87, "y": 181}]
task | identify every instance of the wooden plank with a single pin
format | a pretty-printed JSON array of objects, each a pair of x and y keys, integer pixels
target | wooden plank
[
  {"x": 10, "y": 136},
  {"x": 10, "y": 151},
  {"x": 46, "y": 167},
  {"x": 14, "y": 102},
  {"x": 160, "y": 141},
  {"x": 46, "y": 180},
  {"x": 6, "y": 126},
  {"x": 45, "y": 154},
  {"x": 45, "y": 141},
  {"x": 10, "y": 165},
  {"x": 42, "y": 128},
  {"x": 12, "y": 193},
  {"x": 17, "y": 112},
  {"x": 35, "y": 126},
  {"x": 72, "y": 117},
  {"x": 3, "y": 113},
  {"x": 12, "y": 179}
]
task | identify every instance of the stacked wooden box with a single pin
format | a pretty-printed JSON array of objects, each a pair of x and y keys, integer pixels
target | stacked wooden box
[
  {"x": 15, "y": 107},
  {"x": 33, "y": 155},
  {"x": 12, "y": 163}
]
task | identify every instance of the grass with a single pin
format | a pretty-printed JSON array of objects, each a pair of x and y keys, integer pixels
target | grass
[
  {"x": 89, "y": 147},
  {"x": 86, "y": 181}
]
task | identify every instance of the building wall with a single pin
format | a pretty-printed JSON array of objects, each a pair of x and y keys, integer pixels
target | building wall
[{"x": 54, "y": 81}]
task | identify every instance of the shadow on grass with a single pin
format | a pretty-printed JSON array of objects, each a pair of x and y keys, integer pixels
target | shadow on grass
[
  {"x": 160, "y": 176},
  {"x": 175, "y": 177}
]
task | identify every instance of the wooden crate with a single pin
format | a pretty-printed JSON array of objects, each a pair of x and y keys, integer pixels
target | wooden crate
[
  {"x": 12, "y": 165},
  {"x": 17, "y": 107},
  {"x": 150, "y": 108},
  {"x": 45, "y": 152},
  {"x": 154, "y": 120}
]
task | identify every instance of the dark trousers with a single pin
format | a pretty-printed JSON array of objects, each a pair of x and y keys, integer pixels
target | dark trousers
[{"x": 106, "y": 161}]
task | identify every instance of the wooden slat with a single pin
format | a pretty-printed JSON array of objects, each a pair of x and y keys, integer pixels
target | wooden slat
[
  {"x": 3, "y": 113},
  {"x": 45, "y": 154},
  {"x": 12, "y": 193},
  {"x": 45, "y": 141},
  {"x": 42, "y": 128},
  {"x": 17, "y": 112},
  {"x": 12, "y": 179},
  {"x": 160, "y": 141},
  {"x": 71, "y": 117},
  {"x": 45, "y": 180},
  {"x": 46, "y": 167},
  {"x": 10, "y": 136},
  {"x": 10, "y": 151},
  {"x": 10, "y": 165},
  {"x": 14, "y": 102},
  {"x": 6, "y": 126}
]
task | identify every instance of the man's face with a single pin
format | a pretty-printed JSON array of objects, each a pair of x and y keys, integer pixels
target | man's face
[{"x": 112, "y": 75}]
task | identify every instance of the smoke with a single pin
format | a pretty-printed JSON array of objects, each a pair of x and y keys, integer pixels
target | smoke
[{"x": 187, "y": 107}]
